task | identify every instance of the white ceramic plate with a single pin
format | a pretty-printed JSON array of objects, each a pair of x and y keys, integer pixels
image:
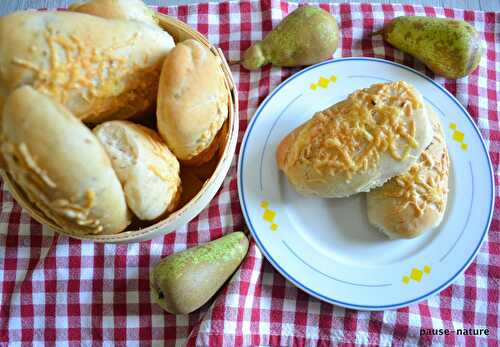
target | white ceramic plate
[{"x": 326, "y": 246}]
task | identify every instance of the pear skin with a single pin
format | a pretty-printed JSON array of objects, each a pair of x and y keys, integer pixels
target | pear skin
[
  {"x": 184, "y": 281},
  {"x": 449, "y": 47},
  {"x": 306, "y": 36}
]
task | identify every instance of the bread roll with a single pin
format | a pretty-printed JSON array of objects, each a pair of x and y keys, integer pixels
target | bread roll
[
  {"x": 116, "y": 9},
  {"x": 192, "y": 102},
  {"x": 357, "y": 144},
  {"x": 98, "y": 68},
  {"x": 60, "y": 166},
  {"x": 415, "y": 201},
  {"x": 148, "y": 171}
]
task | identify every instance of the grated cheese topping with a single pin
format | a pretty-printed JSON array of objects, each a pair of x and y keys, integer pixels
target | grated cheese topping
[
  {"x": 38, "y": 187},
  {"x": 423, "y": 185},
  {"x": 78, "y": 213},
  {"x": 25, "y": 159},
  {"x": 351, "y": 136},
  {"x": 92, "y": 73}
]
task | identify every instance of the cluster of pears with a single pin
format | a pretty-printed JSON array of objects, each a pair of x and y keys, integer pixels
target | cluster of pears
[{"x": 309, "y": 35}]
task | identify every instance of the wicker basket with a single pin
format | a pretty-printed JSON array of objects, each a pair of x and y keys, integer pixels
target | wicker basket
[{"x": 180, "y": 31}]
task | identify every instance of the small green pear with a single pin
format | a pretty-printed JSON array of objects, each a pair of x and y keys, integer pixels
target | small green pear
[
  {"x": 306, "y": 36},
  {"x": 184, "y": 281},
  {"x": 450, "y": 48}
]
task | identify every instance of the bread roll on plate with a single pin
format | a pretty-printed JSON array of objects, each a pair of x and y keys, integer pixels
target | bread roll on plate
[
  {"x": 60, "y": 166},
  {"x": 411, "y": 203},
  {"x": 148, "y": 171},
  {"x": 98, "y": 68},
  {"x": 116, "y": 9},
  {"x": 192, "y": 102},
  {"x": 357, "y": 144}
]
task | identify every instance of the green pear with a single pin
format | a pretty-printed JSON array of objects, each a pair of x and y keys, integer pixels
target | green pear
[
  {"x": 306, "y": 36},
  {"x": 450, "y": 48},
  {"x": 184, "y": 281}
]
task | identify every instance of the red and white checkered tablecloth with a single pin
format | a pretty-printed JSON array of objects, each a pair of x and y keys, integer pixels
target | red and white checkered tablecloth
[{"x": 55, "y": 289}]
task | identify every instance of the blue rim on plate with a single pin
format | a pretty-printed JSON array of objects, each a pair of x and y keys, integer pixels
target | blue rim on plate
[{"x": 281, "y": 269}]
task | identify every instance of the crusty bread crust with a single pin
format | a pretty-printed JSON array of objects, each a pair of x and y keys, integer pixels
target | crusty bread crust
[
  {"x": 414, "y": 202},
  {"x": 357, "y": 144},
  {"x": 60, "y": 165},
  {"x": 284, "y": 147},
  {"x": 100, "y": 69},
  {"x": 116, "y": 9},
  {"x": 148, "y": 171},
  {"x": 208, "y": 153},
  {"x": 192, "y": 100}
]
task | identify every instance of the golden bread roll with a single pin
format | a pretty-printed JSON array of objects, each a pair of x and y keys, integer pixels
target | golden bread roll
[
  {"x": 192, "y": 102},
  {"x": 60, "y": 165},
  {"x": 415, "y": 201},
  {"x": 98, "y": 68},
  {"x": 148, "y": 171},
  {"x": 357, "y": 144},
  {"x": 116, "y": 9}
]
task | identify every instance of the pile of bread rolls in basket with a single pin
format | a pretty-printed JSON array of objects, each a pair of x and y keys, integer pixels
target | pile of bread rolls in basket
[{"x": 101, "y": 109}]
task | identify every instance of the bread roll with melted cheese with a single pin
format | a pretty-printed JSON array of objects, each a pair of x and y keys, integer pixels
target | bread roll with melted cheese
[
  {"x": 100, "y": 69},
  {"x": 357, "y": 144},
  {"x": 116, "y": 9},
  {"x": 60, "y": 166},
  {"x": 411, "y": 203},
  {"x": 192, "y": 102},
  {"x": 148, "y": 171}
]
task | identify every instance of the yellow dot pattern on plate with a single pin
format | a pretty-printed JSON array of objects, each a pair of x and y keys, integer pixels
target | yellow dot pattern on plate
[
  {"x": 458, "y": 136},
  {"x": 269, "y": 215},
  {"x": 323, "y": 82},
  {"x": 416, "y": 274}
]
